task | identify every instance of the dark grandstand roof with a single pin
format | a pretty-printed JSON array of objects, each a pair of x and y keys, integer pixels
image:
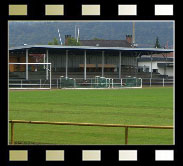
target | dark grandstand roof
[
  {"x": 57, "y": 48},
  {"x": 147, "y": 59},
  {"x": 105, "y": 43},
  {"x": 165, "y": 64}
]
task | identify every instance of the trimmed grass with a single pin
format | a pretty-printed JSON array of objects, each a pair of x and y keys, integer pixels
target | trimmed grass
[{"x": 147, "y": 106}]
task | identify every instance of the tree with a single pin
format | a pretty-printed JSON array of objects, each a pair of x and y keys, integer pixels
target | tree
[
  {"x": 54, "y": 42},
  {"x": 72, "y": 42},
  {"x": 157, "y": 44}
]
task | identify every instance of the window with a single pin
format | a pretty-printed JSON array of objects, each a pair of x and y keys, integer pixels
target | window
[{"x": 155, "y": 70}]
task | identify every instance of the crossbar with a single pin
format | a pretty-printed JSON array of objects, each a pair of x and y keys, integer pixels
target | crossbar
[{"x": 29, "y": 63}]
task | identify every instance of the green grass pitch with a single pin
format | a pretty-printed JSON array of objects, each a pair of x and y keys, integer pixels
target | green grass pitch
[{"x": 146, "y": 106}]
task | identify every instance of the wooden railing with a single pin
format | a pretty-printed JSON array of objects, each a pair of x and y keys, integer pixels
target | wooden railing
[
  {"x": 84, "y": 124},
  {"x": 98, "y": 65},
  {"x": 88, "y": 65}
]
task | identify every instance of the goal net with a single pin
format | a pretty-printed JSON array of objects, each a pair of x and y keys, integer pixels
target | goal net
[
  {"x": 99, "y": 83},
  {"x": 66, "y": 82},
  {"x": 132, "y": 82}
]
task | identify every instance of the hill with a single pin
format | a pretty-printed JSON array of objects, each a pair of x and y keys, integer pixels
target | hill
[{"x": 42, "y": 32}]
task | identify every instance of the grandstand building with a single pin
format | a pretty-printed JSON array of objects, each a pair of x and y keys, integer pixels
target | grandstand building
[{"x": 78, "y": 61}]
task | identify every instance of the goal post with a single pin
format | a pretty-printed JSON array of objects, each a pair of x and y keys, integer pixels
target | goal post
[{"x": 29, "y": 75}]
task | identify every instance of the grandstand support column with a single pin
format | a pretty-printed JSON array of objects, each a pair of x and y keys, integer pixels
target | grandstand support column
[
  {"x": 120, "y": 65},
  {"x": 102, "y": 63},
  {"x": 46, "y": 65},
  {"x": 137, "y": 66},
  {"x": 66, "y": 64},
  {"x": 165, "y": 67},
  {"x": 151, "y": 65},
  {"x": 50, "y": 76},
  {"x": 44, "y": 60},
  {"x": 27, "y": 61},
  {"x": 85, "y": 65}
]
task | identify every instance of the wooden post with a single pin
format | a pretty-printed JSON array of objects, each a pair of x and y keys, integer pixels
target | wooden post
[
  {"x": 12, "y": 133},
  {"x": 126, "y": 135}
]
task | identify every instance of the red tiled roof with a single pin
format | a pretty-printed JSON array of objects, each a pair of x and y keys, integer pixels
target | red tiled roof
[
  {"x": 170, "y": 55},
  {"x": 105, "y": 43}
]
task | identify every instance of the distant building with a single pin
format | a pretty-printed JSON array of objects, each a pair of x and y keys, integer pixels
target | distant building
[
  {"x": 105, "y": 43},
  {"x": 160, "y": 64},
  {"x": 80, "y": 61}
]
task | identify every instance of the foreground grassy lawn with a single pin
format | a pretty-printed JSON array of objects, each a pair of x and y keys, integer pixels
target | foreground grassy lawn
[{"x": 147, "y": 106}]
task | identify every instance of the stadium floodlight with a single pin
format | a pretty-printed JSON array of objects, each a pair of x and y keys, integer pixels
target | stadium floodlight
[{"x": 60, "y": 37}]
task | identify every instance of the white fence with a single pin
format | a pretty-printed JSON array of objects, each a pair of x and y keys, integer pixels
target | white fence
[
  {"x": 55, "y": 83},
  {"x": 26, "y": 82}
]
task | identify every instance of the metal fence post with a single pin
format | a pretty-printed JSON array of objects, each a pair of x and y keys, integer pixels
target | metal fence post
[
  {"x": 126, "y": 135},
  {"x": 57, "y": 83},
  {"x": 12, "y": 133},
  {"x": 150, "y": 81},
  {"x": 21, "y": 83},
  {"x": 50, "y": 77},
  {"x": 74, "y": 83},
  {"x": 60, "y": 82},
  {"x": 141, "y": 82}
]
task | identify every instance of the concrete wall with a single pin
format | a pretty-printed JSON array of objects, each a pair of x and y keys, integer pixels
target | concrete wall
[{"x": 169, "y": 71}]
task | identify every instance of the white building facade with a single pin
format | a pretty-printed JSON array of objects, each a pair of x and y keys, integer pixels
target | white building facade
[{"x": 163, "y": 66}]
